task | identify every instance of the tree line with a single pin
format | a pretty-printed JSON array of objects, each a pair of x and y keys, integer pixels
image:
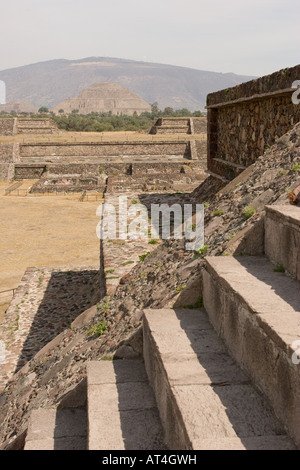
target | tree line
[{"x": 106, "y": 122}]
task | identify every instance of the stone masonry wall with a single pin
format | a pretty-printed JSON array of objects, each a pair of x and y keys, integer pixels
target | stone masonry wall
[
  {"x": 6, "y": 161},
  {"x": 11, "y": 126},
  {"x": 91, "y": 149},
  {"x": 6, "y": 126},
  {"x": 246, "y": 120}
]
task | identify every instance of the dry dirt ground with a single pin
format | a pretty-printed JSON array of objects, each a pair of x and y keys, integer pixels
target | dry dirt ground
[
  {"x": 129, "y": 136},
  {"x": 44, "y": 231}
]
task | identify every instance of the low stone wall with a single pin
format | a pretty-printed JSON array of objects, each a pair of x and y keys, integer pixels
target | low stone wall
[
  {"x": 171, "y": 126},
  {"x": 6, "y": 161},
  {"x": 244, "y": 121},
  {"x": 28, "y": 172},
  {"x": 11, "y": 126},
  {"x": 6, "y": 126},
  {"x": 95, "y": 149},
  {"x": 36, "y": 126},
  {"x": 199, "y": 125}
]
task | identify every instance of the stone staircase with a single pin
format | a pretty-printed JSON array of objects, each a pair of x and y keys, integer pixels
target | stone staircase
[{"x": 216, "y": 378}]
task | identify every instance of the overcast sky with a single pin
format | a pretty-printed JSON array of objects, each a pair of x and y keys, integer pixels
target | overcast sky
[{"x": 253, "y": 37}]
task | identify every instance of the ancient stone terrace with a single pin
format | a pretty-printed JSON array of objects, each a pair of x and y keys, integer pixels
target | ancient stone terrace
[
  {"x": 179, "y": 125},
  {"x": 87, "y": 165},
  {"x": 13, "y": 126}
]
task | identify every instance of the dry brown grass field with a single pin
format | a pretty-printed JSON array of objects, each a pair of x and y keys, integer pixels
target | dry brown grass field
[{"x": 100, "y": 137}]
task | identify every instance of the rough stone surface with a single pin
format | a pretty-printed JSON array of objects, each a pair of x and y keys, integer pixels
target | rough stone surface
[
  {"x": 257, "y": 312},
  {"x": 200, "y": 391},
  {"x": 122, "y": 411}
]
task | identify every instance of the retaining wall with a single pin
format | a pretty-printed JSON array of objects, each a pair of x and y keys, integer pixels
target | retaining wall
[
  {"x": 95, "y": 149},
  {"x": 246, "y": 120},
  {"x": 6, "y": 126}
]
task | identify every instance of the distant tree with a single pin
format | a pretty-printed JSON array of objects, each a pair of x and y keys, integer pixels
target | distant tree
[
  {"x": 43, "y": 110},
  {"x": 61, "y": 111},
  {"x": 197, "y": 114}
]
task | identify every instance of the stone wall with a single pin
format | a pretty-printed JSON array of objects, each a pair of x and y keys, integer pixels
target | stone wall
[
  {"x": 11, "y": 126},
  {"x": 6, "y": 161},
  {"x": 171, "y": 126},
  {"x": 99, "y": 149},
  {"x": 244, "y": 121},
  {"x": 6, "y": 126},
  {"x": 36, "y": 126}
]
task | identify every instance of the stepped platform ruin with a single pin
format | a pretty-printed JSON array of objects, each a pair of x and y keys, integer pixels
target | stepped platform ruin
[{"x": 182, "y": 350}]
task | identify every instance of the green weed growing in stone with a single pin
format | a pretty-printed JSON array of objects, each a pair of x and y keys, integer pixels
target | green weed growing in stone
[
  {"x": 197, "y": 304},
  {"x": 144, "y": 256},
  {"x": 103, "y": 307},
  {"x": 279, "y": 268},
  {"x": 218, "y": 212},
  {"x": 296, "y": 167},
  {"x": 248, "y": 211},
  {"x": 201, "y": 252},
  {"x": 109, "y": 271},
  {"x": 98, "y": 329},
  {"x": 180, "y": 288},
  {"x": 127, "y": 262},
  {"x": 153, "y": 241}
]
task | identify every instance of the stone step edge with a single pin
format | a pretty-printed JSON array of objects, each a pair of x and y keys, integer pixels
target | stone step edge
[{"x": 268, "y": 329}]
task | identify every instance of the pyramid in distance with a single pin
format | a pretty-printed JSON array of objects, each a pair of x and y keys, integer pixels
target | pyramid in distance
[{"x": 102, "y": 98}]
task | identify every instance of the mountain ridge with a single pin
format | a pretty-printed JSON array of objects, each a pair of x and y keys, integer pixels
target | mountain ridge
[{"x": 48, "y": 83}]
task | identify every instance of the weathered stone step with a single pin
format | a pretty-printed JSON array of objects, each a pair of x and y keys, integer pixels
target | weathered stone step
[
  {"x": 205, "y": 401},
  {"x": 282, "y": 237},
  {"x": 257, "y": 312},
  {"x": 122, "y": 412},
  {"x": 51, "y": 429}
]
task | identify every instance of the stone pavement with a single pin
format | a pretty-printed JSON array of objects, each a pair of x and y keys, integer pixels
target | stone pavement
[{"x": 45, "y": 303}]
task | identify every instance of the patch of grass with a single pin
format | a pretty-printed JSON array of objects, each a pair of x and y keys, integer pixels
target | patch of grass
[
  {"x": 159, "y": 265},
  {"x": 153, "y": 241},
  {"x": 201, "y": 252},
  {"x": 180, "y": 288},
  {"x": 103, "y": 306},
  {"x": 134, "y": 201},
  {"x": 296, "y": 167},
  {"x": 206, "y": 204},
  {"x": 197, "y": 304},
  {"x": 218, "y": 212},
  {"x": 127, "y": 262},
  {"x": 279, "y": 268},
  {"x": 282, "y": 173},
  {"x": 248, "y": 211},
  {"x": 144, "y": 256},
  {"x": 98, "y": 329},
  {"x": 109, "y": 271}
]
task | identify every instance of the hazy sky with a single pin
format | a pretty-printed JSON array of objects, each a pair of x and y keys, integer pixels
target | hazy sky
[{"x": 253, "y": 37}]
